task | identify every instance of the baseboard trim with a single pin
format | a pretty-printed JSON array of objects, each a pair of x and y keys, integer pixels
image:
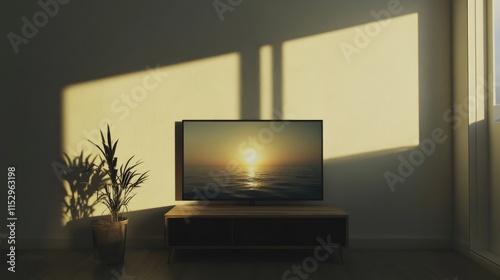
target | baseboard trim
[
  {"x": 461, "y": 246},
  {"x": 84, "y": 243},
  {"x": 157, "y": 242},
  {"x": 400, "y": 243}
]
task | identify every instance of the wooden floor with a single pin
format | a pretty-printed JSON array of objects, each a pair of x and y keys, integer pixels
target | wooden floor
[{"x": 246, "y": 265}]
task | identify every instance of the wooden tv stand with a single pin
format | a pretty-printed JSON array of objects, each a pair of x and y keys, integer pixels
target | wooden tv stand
[{"x": 256, "y": 227}]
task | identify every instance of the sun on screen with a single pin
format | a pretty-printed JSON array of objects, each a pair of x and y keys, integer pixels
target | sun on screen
[{"x": 251, "y": 159}]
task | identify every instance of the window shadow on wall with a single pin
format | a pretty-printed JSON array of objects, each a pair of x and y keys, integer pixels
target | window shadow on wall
[{"x": 126, "y": 37}]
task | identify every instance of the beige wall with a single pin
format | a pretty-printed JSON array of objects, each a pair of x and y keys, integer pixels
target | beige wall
[{"x": 382, "y": 87}]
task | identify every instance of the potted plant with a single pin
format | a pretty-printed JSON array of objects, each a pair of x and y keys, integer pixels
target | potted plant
[{"x": 116, "y": 191}]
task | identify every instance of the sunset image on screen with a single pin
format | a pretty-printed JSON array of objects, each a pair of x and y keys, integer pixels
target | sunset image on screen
[{"x": 252, "y": 160}]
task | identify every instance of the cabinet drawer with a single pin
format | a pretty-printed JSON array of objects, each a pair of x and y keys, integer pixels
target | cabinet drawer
[
  {"x": 287, "y": 231},
  {"x": 199, "y": 232}
]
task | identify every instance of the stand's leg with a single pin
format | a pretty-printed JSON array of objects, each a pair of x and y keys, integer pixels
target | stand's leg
[
  {"x": 165, "y": 231},
  {"x": 170, "y": 254},
  {"x": 341, "y": 255},
  {"x": 338, "y": 254}
]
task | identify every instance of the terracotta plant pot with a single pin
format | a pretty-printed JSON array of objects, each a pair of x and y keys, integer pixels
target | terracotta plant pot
[{"x": 109, "y": 241}]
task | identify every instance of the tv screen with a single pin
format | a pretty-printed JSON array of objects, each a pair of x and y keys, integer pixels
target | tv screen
[{"x": 252, "y": 160}]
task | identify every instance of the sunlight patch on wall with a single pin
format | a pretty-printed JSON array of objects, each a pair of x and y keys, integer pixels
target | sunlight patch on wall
[
  {"x": 142, "y": 108},
  {"x": 363, "y": 81}
]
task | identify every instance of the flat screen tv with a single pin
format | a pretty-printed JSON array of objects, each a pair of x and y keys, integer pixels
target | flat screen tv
[{"x": 252, "y": 160}]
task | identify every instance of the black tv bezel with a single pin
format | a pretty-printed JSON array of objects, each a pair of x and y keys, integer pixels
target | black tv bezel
[{"x": 180, "y": 157}]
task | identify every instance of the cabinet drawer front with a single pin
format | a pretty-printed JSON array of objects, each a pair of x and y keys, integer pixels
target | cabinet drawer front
[
  {"x": 288, "y": 231},
  {"x": 199, "y": 232}
]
